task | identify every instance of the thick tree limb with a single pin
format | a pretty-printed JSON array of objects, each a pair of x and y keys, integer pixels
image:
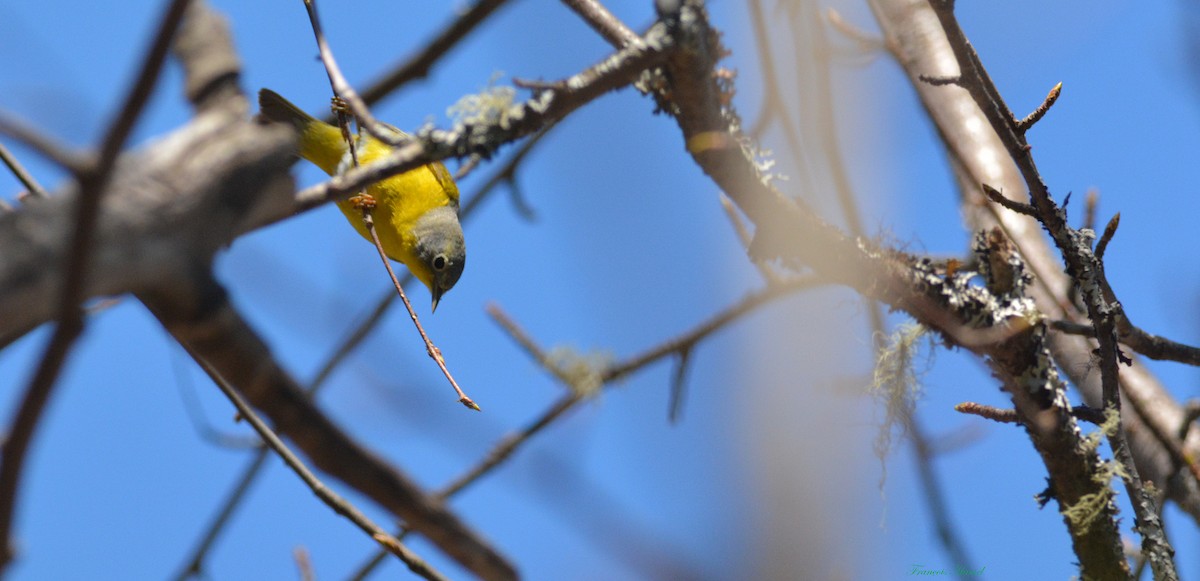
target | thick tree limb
[
  {"x": 789, "y": 232},
  {"x": 167, "y": 210},
  {"x": 914, "y": 36},
  {"x": 208, "y": 325}
]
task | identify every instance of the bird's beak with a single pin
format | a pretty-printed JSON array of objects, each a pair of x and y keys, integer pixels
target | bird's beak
[{"x": 437, "y": 296}]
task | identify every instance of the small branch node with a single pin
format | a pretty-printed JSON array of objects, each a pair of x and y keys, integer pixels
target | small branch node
[
  {"x": 940, "y": 81},
  {"x": 1073, "y": 328},
  {"x": 1109, "y": 231},
  {"x": 995, "y": 414},
  {"x": 1018, "y": 207},
  {"x": 364, "y": 202}
]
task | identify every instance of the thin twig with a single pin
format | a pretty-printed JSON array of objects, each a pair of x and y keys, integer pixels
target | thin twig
[
  {"x": 1110, "y": 230},
  {"x": 618, "y": 70},
  {"x": 467, "y": 167},
  {"x": 1081, "y": 262},
  {"x": 328, "y": 496},
  {"x": 1009, "y": 416},
  {"x": 430, "y": 348},
  {"x": 92, "y": 182},
  {"x": 1025, "y": 124},
  {"x": 941, "y": 81},
  {"x": 347, "y": 346},
  {"x": 690, "y": 338},
  {"x": 496, "y": 456},
  {"x": 304, "y": 564},
  {"x": 935, "y": 497},
  {"x": 678, "y": 385},
  {"x": 342, "y": 87},
  {"x": 1144, "y": 343},
  {"x": 603, "y": 22},
  {"x": 772, "y": 97},
  {"x": 768, "y": 272},
  {"x": 420, "y": 64},
  {"x": 31, "y": 185},
  {"x": 73, "y": 161},
  {"x": 195, "y": 565},
  {"x": 1091, "y": 201},
  {"x": 1018, "y": 207},
  {"x": 194, "y": 411},
  {"x": 343, "y": 91}
]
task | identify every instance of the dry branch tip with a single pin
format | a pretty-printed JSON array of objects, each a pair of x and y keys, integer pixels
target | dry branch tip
[{"x": 1025, "y": 124}]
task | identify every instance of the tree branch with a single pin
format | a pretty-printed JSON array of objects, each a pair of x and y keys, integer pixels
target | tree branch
[
  {"x": 204, "y": 322},
  {"x": 329, "y": 497},
  {"x": 914, "y": 34},
  {"x": 92, "y": 182}
]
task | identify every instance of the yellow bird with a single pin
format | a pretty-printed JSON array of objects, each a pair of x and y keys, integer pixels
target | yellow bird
[{"x": 416, "y": 212}]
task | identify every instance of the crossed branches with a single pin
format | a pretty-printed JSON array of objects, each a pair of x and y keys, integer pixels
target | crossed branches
[{"x": 675, "y": 64}]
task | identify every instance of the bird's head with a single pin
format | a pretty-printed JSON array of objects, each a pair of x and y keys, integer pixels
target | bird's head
[{"x": 441, "y": 252}]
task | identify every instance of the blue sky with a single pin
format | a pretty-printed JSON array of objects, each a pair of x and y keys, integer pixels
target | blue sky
[{"x": 773, "y": 456}]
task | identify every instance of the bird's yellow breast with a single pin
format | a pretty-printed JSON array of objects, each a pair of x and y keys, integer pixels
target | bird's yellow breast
[{"x": 399, "y": 200}]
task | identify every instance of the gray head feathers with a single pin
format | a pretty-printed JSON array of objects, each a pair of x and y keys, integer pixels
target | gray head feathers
[{"x": 440, "y": 247}]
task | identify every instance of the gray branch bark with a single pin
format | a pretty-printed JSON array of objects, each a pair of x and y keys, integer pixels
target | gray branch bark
[
  {"x": 168, "y": 209},
  {"x": 919, "y": 44}
]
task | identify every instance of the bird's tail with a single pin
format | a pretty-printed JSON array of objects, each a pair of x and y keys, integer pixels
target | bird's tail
[
  {"x": 273, "y": 107},
  {"x": 320, "y": 142}
]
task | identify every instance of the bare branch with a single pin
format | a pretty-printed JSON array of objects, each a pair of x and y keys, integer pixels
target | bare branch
[
  {"x": 995, "y": 196},
  {"x": 915, "y": 36},
  {"x": 430, "y": 348},
  {"x": 619, "y": 70},
  {"x": 1110, "y": 230},
  {"x": 689, "y": 339},
  {"x": 329, "y": 497},
  {"x": 1154, "y": 346},
  {"x": 344, "y": 348},
  {"x": 678, "y": 385},
  {"x": 342, "y": 88},
  {"x": 92, "y": 184},
  {"x": 73, "y": 161},
  {"x": 205, "y": 322},
  {"x": 1081, "y": 262},
  {"x": 603, "y": 22},
  {"x": 419, "y": 65},
  {"x": 1025, "y": 124},
  {"x": 923, "y": 454},
  {"x": 1084, "y": 413},
  {"x": 31, "y": 185}
]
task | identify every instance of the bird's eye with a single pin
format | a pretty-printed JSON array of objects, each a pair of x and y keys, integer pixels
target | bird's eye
[{"x": 439, "y": 262}]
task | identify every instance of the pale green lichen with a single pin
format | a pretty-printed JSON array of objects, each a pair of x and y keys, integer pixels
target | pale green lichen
[
  {"x": 583, "y": 372},
  {"x": 896, "y": 384},
  {"x": 488, "y": 107},
  {"x": 1089, "y": 507}
]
